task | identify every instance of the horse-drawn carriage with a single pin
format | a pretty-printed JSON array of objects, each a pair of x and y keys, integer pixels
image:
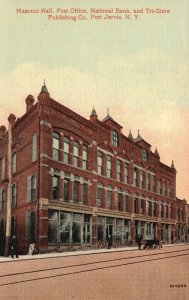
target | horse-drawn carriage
[{"x": 152, "y": 243}]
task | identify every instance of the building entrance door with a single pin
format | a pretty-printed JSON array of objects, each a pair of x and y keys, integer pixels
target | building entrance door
[{"x": 109, "y": 231}]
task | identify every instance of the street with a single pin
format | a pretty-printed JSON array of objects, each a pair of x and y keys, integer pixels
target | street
[{"x": 146, "y": 274}]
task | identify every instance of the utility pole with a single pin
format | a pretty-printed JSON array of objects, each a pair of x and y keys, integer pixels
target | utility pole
[{"x": 11, "y": 120}]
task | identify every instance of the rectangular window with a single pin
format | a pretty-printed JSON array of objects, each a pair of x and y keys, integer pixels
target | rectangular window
[
  {"x": 13, "y": 194},
  {"x": 108, "y": 199},
  {"x": 135, "y": 206},
  {"x": 158, "y": 187},
  {"x": 118, "y": 202},
  {"x": 55, "y": 187},
  {"x": 168, "y": 191},
  {"x": 99, "y": 197},
  {"x": 33, "y": 187},
  {"x": 76, "y": 191},
  {"x": 108, "y": 166},
  {"x": 66, "y": 189},
  {"x": 34, "y": 147},
  {"x": 99, "y": 162},
  {"x": 142, "y": 206},
  {"x": 56, "y": 145},
  {"x": 118, "y": 170},
  {"x": 141, "y": 179},
  {"x": 3, "y": 169},
  {"x": 66, "y": 150},
  {"x": 127, "y": 203},
  {"x": 166, "y": 212},
  {"x": 14, "y": 162},
  {"x": 163, "y": 188},
  {"x": 126, "y": 175},
  {"x": 84, "y": 157},
  {"x": 85, "y": 189},
  {"x": 2, "y": 199},
  {"x": 75, "y": 153},
  {"x": 135, "y": 177}
]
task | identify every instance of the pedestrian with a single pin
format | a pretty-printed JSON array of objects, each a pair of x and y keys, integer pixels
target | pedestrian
[
  {"x": 109, "y": 242},
  {"x": 139, "y": 241},
  {"x": 13, "y": 247}
]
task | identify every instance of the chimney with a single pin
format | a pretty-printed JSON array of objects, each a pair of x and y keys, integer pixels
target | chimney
[
  {"x": 12, "y": 119},
  {"x": 29, "y": 102}
]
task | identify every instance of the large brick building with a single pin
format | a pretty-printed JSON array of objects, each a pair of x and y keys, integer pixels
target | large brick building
[{"x": 76, "y": 181}]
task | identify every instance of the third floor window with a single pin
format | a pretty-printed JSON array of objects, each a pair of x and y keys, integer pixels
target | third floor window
[
  {"x": 99, "y": 162},
  {"x": 56, "y": 142}
]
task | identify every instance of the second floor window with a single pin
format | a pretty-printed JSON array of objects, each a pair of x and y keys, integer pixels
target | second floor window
[
  {"x": 66, "y": 189},
  {"x": 85, "y": 190},
  {"x": 99, "y": 194},
  {"x": 34, "y": 147},
  {"x": 135, "y": 204},
  {"x": 2, "y": 199},
  {"x": 141, "y": 179},
  {"x": 31, "y": 188},
  {"x": 13, "y": 202},
  {"x": 108, "y": 197},
  {"x": 118, "y": 202},
  {"x": 76, "y": 191},
  {"x": 56, "y": 145},
  {"x": 14, "y": 162},
  {"x": 135, "y": 177},
  {"x": 55, "y": 180},
  {"x": 126, "y": 204},
  {"x": 162, "y": 210},
  {"x": 3, "y": 168}
]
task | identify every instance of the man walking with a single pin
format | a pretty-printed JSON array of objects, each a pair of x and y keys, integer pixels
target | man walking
[{"x": 13, "y": 247}]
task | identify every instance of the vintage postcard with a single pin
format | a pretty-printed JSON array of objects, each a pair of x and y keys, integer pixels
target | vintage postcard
[{"x": 94, "y": 151}]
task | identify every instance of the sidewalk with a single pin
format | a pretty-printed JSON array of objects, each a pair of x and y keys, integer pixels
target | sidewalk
[{"x": 75, "y": 253}]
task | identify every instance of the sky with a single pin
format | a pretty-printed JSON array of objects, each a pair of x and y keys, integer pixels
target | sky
[{"x": 139, "y": 69}]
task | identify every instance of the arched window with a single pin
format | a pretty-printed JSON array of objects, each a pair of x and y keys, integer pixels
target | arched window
[{"x": 114, "y": 138}]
